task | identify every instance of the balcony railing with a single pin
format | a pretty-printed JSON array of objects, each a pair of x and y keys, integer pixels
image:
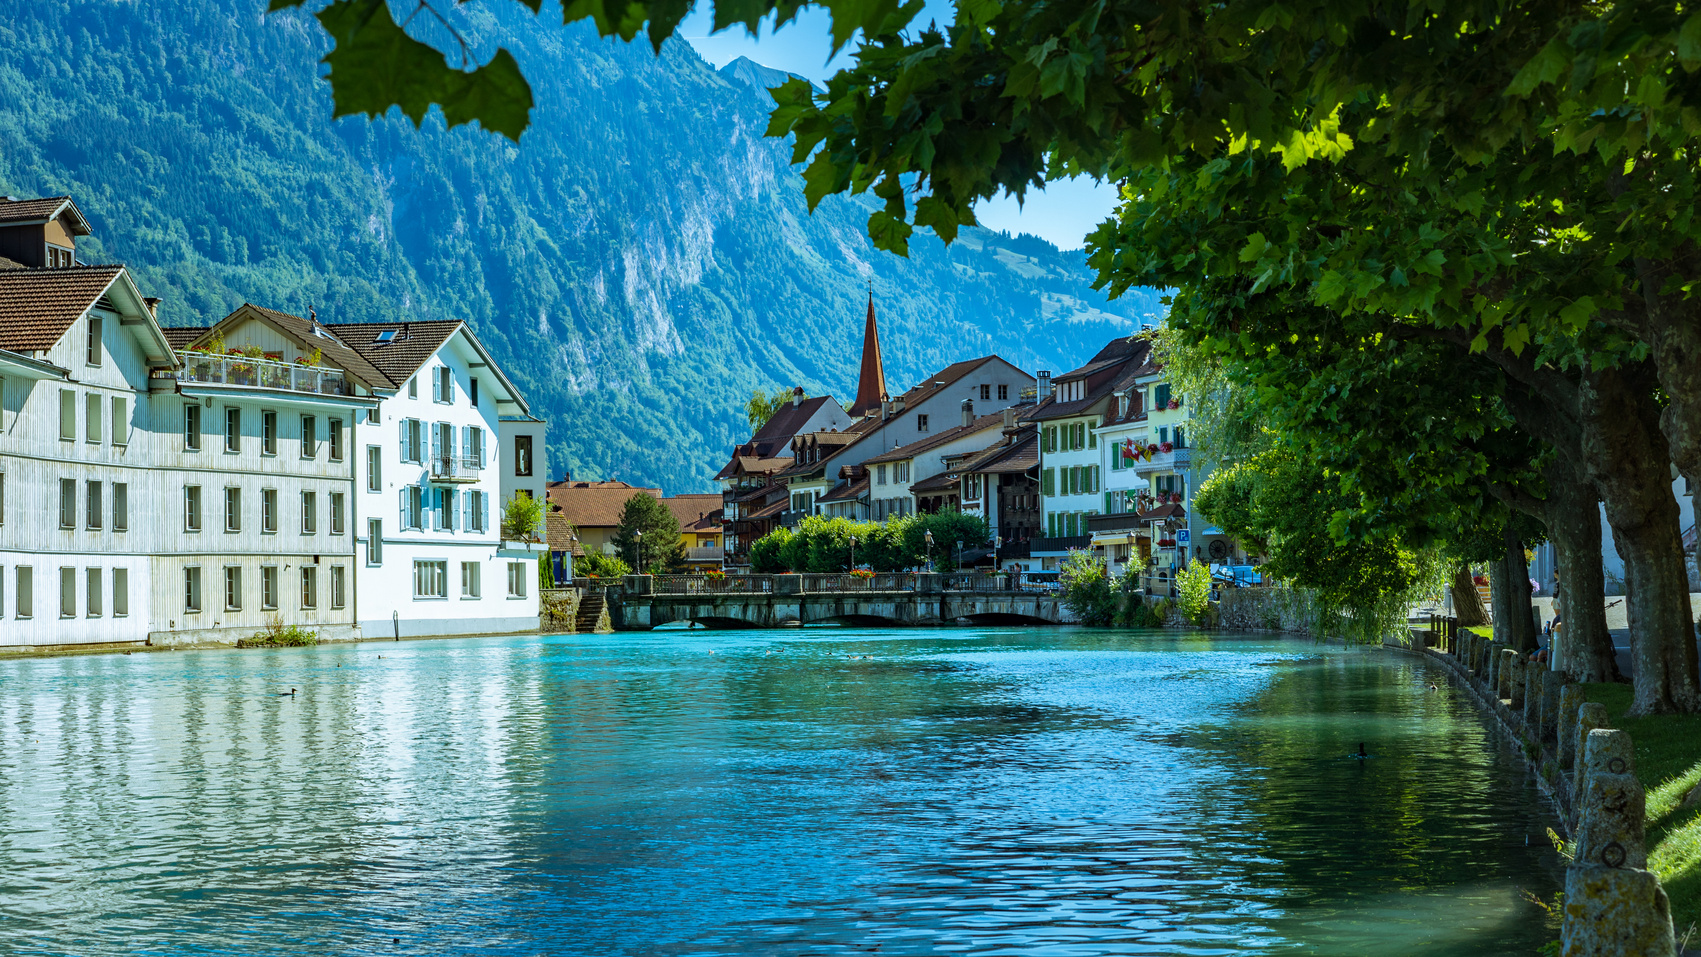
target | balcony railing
[
  {"x": 1125, "y": 522},
  {"x": 261, "y": 374},
  {"x": 450, "y": 468},
  {"x": 1179, "y": 460},
  {"x": 705, "y": 553},
  {"x": 791, "y": 518}
]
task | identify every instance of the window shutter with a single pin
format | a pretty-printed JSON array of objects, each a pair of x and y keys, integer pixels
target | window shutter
[
  {"x": 450, "y": 437},
  {"x": 402, "y": 438},
  {"x": 484, "y": 525},
  {"x": 436, "y": 443},
  {"x": 451, "y": 499},
  {"x": 467, "y": 512},
  {"x": 402, "y": 503},
  {"x": 466, "y": 441}
]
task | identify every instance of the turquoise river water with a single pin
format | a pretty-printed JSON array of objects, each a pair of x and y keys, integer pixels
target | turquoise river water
[{"x": 828, "y": 791}]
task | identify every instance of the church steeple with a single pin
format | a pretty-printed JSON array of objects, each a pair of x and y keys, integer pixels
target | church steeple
[{"x": 871, "y": 386}]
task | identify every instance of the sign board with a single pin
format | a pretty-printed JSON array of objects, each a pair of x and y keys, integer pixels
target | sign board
[{"x": 1183, "y": 536}]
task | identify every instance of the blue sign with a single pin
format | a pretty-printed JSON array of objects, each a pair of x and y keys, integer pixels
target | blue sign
[{"x": 1183, "y": 536}]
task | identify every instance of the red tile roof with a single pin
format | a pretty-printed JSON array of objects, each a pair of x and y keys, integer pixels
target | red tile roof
[
  {"x": 20, "y": 211},
  {"x": 689, "y": 508},
  {"x": 38, "y": 306},
  {"x": 593, "y": 507}
]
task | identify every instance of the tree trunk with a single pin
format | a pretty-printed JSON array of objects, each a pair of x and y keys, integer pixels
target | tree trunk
[
  {"x": 1509, "y": 583},
  {"x": 1467, "y": 601},
  {"x": 1573, "y": 520},
  {"x": 1627, "y": 456}
]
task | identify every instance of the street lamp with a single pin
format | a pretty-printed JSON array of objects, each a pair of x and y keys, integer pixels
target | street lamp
[
  {"x": 853, "y": 553},
  {"x": 927, "y": 536},
  {"x": 640, "y": 547},
  {"x": 959, "y": 553}
]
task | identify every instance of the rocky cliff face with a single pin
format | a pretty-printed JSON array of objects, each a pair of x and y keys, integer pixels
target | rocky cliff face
[{"x": 640, "y": 263}]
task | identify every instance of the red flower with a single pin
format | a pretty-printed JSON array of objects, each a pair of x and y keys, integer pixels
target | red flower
[{"x": 1167, "y": 447}]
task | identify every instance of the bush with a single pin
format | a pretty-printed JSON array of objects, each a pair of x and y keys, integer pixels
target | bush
[
  {"x": 595, "y": 565},
  {"x": 522, "y": 518},
  {"x": 1193, "y": 589},
  {"x": 279, "y": 635},
  {"x": 1086, "y": 589}
]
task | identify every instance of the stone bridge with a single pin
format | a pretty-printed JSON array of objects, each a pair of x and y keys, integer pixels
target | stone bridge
[{"x": 642, "y": 602}]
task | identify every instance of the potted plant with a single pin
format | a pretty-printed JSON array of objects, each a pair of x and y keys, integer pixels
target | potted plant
[
  {"x": 1167, "y": 447},
  {"x": 863, "y": 573}
]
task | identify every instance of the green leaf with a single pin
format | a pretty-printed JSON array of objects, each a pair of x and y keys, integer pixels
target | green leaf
[
  {"x": 376, "y": 65},
  {"x": 1254, "y": 248},
  {"x": 1545, "y": 67},
  {"x": 889, "y": 232},
  {"x": 1689, "y": 43}
]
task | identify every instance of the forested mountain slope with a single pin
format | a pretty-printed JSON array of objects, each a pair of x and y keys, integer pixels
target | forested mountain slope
[{"x": 640, "y": 262}]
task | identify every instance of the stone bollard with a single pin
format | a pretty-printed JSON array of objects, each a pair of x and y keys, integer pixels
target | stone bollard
[
  {"x": 1612, "y": 805},
  {"x": 1507, "y": 688},
  {"x": 1533, "y": 697},
  {"x": 1466, "y": 642},
  {"x": 1553, "y": 684},
  {"x": 1491, "y": 669},
  {"x": 1590, "y": 715},
  {"x": 1571, "y": 699},
  {"x": 1611, "y": 911}
]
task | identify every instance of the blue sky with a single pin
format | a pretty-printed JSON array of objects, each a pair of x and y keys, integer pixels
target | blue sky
[{"x": 1063, "y": 214}]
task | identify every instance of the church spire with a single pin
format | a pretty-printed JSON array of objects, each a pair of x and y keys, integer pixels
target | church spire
[{"x": 871, "y": 386}]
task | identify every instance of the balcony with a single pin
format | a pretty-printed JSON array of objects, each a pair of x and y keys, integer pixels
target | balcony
[
  {"x": 1061, "y": 543},
  {"x": 200, "y": 367},
  {"x": 705, "y": 553},
  {"x": 1124, "y": 522},
  {"x": 454, "y": 470},
  {"x": 1179, "y": 460},
  {"x": 791, "y": 518}
]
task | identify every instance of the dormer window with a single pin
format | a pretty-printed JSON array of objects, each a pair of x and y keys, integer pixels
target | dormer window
[{"x": 58, "y": 257}]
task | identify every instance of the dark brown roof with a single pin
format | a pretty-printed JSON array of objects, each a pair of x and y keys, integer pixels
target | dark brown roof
[
  {"x": 593, "y": 507},
  {"x": 937, "y": 483},
  {"x": 848, "y": 492},
  {"x": 182, "y": 336},
  {"x": 11, "y": 264},
  {"x": 943, "y": 379},
  {"x": 1116, "y": 351},
  {"x": 38, "y": 306},
  {"x": 937, "y": 439},
  {"x": 402, "y": 356},
  {"x": 1103, "y": 377},
  {"x": 41, "y": 210},
  {"x": 775, "y": 434},
  {"x": 1019, "y": 456},
  {"x": 710, "y": 522},
  {"x": 337, "y": 350},
  {"x": 753, "y": 465},
  {"x": 1171, "y": 510},
  {"x": 770, "y": 510},
  {"x": 1129, "y": 382},
  {"x": 689, "y": 508},
  {"x": 561, "y": 533}
]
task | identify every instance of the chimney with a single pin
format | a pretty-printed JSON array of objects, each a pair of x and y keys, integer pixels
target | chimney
[
  {"x": 968, "y": 412},
  {"x": 796, "y": 396},
  {"x": 1044, "y": 385},
  {"x": 153, "y": 304},
  {"x": 1009, "y": 418}
]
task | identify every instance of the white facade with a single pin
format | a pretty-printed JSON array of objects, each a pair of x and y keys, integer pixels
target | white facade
[
  {"x": 1124, "y": 484},
  {"x": 77, "y": 522},
  {"x": 893, "y": 474},
  {"x": 431, "y": 470},
  {"x": 1070, "y": 477}
]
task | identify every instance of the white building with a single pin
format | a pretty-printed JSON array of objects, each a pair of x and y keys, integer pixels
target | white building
[
  {"x": 253, "y": 468},
  {"x": 1119, "y": 533},
  {"x": 79, "y": 499},
  {"x": 430, "y": 472}
]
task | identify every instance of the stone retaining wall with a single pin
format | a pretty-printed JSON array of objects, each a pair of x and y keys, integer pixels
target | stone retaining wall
[
  {"x": 558, "y": 608},
  {"x": 1613, "y": 904}
]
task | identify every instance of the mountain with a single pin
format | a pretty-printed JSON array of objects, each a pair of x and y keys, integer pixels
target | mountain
[{"x": 639, "y": 263}]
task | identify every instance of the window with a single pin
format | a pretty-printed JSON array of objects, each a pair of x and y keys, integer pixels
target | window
[
  {"x": 1048, "y": 482},
  {"x": 191, "y": 508},
  {"x": 309, "y": 436},
  {"x": 191, "y": 428},
  {"x": 309, "y": 586},
  {"x": 233, "y": 588},
  {"x": 26, "y": 592},
  {"x": 268, "y": 510},
  {"x": 336, "y": 427},
  {"x": 374, "y": 541},
  {"x": 58, "y": 257},
  {"x": 430, "y": 579},
  {"x": 68, "y": 415},
  {"x": 986, "y": 392},
  {"x": 517, "y": 579},
  {"x": 67, "y": 593},
  {"x": 268, "y": 433},
  {"x": 92, "y": 352},
  {"x": 93, "y": 512},
  {"x": 92, "y": 407},
  {"x": 443, "y": 505},
  {"x": 880, "y": 474},
  {"x": 67, "y": 503},
  {"x": 474, "y": 442},
  {"x": 233, "y": 509},
  {"x": 232, "y": 429},
  {"x": 120, "y": 423},
  {"x": 443, "y": 382},
  {"x": 413, "y": 507},
  {"x": 413, "y": 387},
  {"x": 121, "y": 593},
  {"x": 413, "y": 440},
  {"x": 309, "y": 512},
  {"x": 477, "y": 504},
  {"x": 472, "y": 392},
  {"x": 902, "y": 472},
  {"x": 469, "y": 579},
  {"x": 921, "y": 423},
  {"x": 268, "y": 587},
  {"x": 336, "y": 513},
  {"x": 339, "y": 586},
  {"x": 1163, "y": 435},
  {"x": 522, "y": 455},
  {"x": 1180, "y": 440},
  {"x": 1003, "y": 392},
  {"x": 1161, "y": 395},
  {"x": 374, "y": 469}
]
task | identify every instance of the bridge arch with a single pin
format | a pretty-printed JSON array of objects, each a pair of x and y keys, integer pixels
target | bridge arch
[{"x": 1005, "y": 618}]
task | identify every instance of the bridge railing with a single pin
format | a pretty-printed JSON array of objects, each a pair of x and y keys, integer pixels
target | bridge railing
[
  {"x": 712, "y": 585},
  {"x": 976, "y": 581},
  {"x": 817, "y": 584}
]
